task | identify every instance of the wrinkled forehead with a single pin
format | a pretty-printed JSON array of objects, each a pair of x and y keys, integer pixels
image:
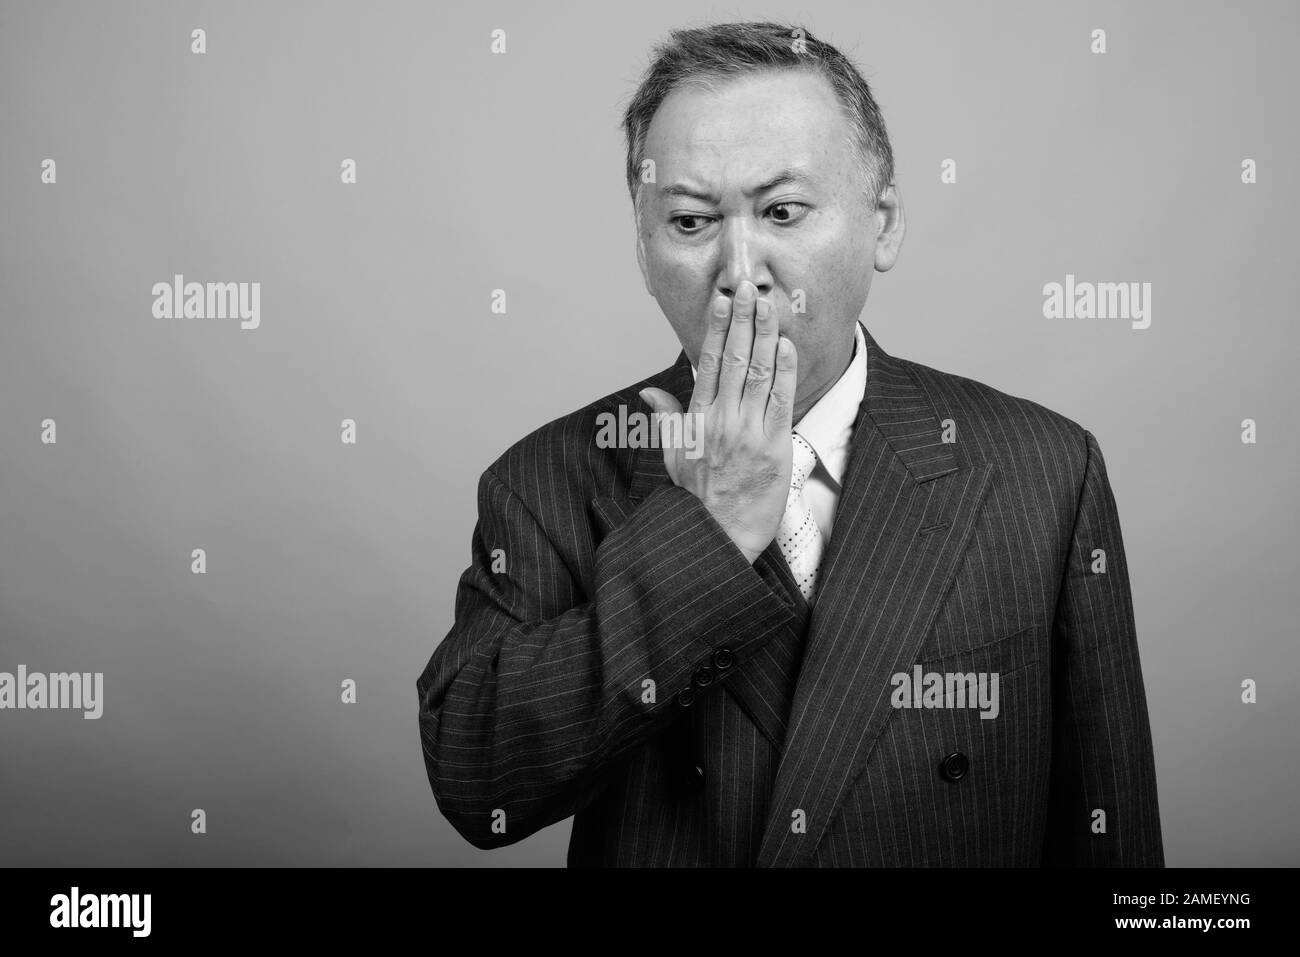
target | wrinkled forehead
[{"x": 731, "y": 135}]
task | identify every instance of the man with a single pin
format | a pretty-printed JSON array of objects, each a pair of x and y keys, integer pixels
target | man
[{"x": 877, "y": 615}]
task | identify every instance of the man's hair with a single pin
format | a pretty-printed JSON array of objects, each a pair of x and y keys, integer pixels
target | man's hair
[{"x": 706, "y": 56}]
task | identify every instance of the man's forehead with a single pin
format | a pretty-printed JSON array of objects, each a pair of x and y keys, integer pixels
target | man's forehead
[
  {"x": 705, "y": 188},
  {"x": 750, "y": 134}
]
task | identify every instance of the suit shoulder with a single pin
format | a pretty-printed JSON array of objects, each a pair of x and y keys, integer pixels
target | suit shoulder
[
  {"x": 563, "y": 454},
  {"x": 992, "y": 425}
]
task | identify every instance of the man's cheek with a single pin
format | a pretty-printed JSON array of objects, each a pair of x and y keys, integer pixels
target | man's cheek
[{"x": 679, "y": 292}]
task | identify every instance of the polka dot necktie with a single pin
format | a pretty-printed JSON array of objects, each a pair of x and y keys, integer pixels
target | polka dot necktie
[{"x": 799, "y": 537}]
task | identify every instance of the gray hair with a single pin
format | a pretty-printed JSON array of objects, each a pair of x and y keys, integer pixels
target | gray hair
[{"x": 705, "y": 56}]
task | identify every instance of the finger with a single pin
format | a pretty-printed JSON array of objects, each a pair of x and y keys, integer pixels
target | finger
[
  {"x": 762, "y": 365},
  {"x": 664, "y": 404},
  {"x": 709, "y": 364},
  {"x": 780, "y": 402},
  {"x": 659, "y": 400},
  {"x": 740, "y": 341}
]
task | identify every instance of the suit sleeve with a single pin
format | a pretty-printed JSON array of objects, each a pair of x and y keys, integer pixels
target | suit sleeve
[
  {"x": 538, "y": 688},
  {"x": 1102, "y": 758}
]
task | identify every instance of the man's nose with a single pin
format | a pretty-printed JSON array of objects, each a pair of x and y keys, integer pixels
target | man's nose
[{"x": 743, "y": 256}]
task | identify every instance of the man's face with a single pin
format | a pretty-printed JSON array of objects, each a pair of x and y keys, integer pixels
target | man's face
[{"x": 714, "y": 216}]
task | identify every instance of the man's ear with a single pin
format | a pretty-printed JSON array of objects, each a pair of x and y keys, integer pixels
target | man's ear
[
  {"x": 640, "y": 261},
  {"x": 640, "y": 252},
  {"x": 891, "y": 226}
]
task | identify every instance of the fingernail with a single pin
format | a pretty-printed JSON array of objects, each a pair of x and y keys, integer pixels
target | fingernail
[
  {"x": 746, "y": 290},
  {"x": 721, "y": 306}
]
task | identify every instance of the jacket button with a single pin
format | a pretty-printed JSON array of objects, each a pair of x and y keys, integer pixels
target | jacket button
[
  {"x": 686, "y": 697},
  {"x": 954, "y": 766},
  {"x": 704, "y": 676},
  {"x": 723, "y": 659}
]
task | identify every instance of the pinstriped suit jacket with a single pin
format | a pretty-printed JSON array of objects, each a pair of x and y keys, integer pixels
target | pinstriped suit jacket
[{"x": 771, "y": 737}]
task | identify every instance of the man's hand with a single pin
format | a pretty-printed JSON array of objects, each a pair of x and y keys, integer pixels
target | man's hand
[{"x": 744, "y": 391}]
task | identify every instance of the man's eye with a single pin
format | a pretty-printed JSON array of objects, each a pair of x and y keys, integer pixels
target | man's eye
[
  {"x": 791, "y": 212},
  {"x": 784, "y": 213},
  {"x": 689, "y": 223}
]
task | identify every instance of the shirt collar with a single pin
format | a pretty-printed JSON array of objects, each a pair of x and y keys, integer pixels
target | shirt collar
[{"x": 828, "y": 425}]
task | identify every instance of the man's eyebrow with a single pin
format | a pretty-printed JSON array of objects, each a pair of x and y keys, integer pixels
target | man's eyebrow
[{"x": 790, "y": 174}]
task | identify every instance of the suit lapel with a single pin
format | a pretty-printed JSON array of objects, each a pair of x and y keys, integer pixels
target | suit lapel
[
  {"x": 904, "y": 519},
  {"x": 763, "y": 685}
]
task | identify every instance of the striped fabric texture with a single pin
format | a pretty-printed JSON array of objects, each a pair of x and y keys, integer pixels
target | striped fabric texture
[{"x": 615, "y": 658}]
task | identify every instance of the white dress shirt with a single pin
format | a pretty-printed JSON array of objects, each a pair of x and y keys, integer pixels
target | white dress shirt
[{"x": 828, "y": 427}]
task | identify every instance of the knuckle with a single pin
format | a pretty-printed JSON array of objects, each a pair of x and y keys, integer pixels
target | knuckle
[{"x": 734, "y": 360}]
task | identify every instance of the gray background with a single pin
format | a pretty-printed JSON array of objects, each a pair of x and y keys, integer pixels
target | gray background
[{"x": 477, "y": 172}]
